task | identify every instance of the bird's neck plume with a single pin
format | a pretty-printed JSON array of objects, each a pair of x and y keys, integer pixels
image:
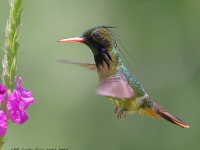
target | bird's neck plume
[{"x": 108, "y": 63}]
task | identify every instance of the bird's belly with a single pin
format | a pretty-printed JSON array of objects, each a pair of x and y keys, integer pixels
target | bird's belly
[{"x": 131, "y": 104}]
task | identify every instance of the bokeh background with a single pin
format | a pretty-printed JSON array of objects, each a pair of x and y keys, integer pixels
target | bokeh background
[{"x": 165, "y": 57}]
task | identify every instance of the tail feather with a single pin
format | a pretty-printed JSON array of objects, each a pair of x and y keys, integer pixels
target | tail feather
[{"x": 158, "y": 112}]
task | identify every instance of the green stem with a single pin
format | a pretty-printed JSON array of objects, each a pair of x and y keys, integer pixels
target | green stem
[
  {"x": 10, "y": 48},
  {"x": 11, "y": 44}
]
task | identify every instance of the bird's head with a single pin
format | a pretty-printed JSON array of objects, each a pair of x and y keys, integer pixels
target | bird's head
[{"x": 99, "y": 40}]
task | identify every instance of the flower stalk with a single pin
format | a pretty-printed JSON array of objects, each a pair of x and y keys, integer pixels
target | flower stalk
[
  {"x": 11, "y": 44},
  {"x": 10, "y": 48},
  {"x": 14, "y": 100}
]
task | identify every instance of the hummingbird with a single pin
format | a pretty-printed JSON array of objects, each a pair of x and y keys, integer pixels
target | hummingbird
[{"x": 117, "y": 83}]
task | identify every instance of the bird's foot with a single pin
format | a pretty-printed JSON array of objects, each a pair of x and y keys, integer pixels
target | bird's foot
[
  {"x": 122, "y": 113},
  {"x": 116, "y": 110}
]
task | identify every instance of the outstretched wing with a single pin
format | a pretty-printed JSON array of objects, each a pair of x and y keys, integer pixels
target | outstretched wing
[
  {"x": 89, "y": 66},
  {"x": 115, "y": 87}
]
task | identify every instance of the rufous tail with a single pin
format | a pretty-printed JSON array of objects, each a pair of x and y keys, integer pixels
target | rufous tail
[{"x": 158, "y": 112}]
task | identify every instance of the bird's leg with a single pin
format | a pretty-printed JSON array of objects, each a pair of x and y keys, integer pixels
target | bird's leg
[
  {"x": 116, "y": 110},
  {"x": 122, "y": 113}
]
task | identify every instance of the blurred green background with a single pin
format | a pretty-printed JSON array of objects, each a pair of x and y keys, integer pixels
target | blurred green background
[{"x": 164, "y": 36}]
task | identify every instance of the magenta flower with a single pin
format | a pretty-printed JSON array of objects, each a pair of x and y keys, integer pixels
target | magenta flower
[
  {"x": 3, "y": 125},
  {"x": 2, "y": 92},
  {"x": 18, "y": 102}
]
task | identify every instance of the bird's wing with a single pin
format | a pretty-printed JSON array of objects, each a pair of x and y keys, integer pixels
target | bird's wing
[
  {"x": 115, "y": 87},
  {"x": 112, "y": 86},
  {"x": 89, "y": 66}
]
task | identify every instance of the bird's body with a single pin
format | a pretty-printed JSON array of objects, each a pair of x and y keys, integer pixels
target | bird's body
[
  {"x": 117, "y": 83},
  {"x": 118, "y": 69}
]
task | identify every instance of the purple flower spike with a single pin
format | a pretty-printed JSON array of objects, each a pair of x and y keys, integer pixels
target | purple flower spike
[
  {"x": 2, "y": 92},
  {"x": 3, "y": 125},
  {"x": 18, "y": 102}
]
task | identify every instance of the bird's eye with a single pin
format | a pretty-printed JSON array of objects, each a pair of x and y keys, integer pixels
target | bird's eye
[{"x": 96, "y": 35}]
